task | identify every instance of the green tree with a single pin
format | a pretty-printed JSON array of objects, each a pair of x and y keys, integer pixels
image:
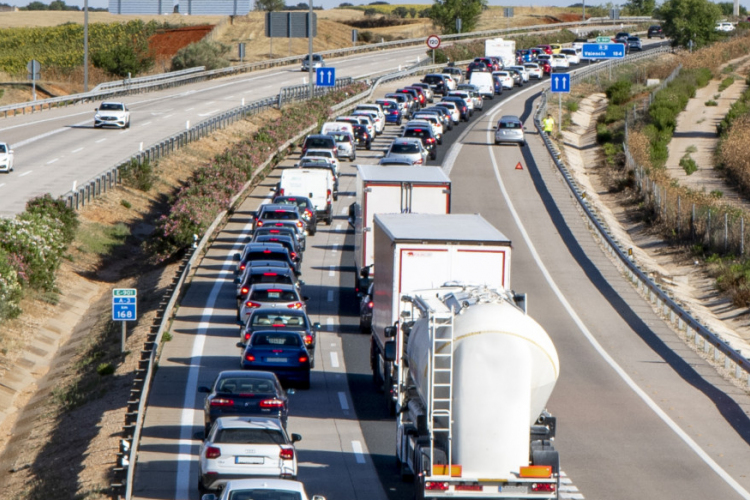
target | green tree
[
  {"x": 685, "y": 20},
  {"x": 640, "y": 7},
  {"x": 445, "y": 12},
  {"x": 212, "y": 55},
  {"x": 270, "y": 5},
  {"x": 727, "y": 8},
  {"x": 400, "y": 12},
  {"x": 36, "y": 6},
  {"x": 58, "y": 5}
]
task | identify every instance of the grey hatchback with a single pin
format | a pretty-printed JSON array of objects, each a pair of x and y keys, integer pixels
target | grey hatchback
[{"x": 510, "y": 130}]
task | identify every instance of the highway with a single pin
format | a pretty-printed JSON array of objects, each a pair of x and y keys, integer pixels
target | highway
[{"x": 639, "y": 414}]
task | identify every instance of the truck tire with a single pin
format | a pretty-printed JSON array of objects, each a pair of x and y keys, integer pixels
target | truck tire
[
  {"x": 547, "y": 456},
  {"x": 377, "y": 380},
  {"x": 390, "y": 404}
]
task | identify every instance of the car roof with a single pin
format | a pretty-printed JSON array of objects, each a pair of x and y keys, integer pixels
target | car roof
[
  {"x": 248, "y": 423},
  {"x": 407, "y": 140},
  {"x": 318, "y": 136},
  {"x": 509, "y": 118},
  {"x": 281, "y": 286},
  {"x": 247, "y": 374},
  {"x": 266, "y": 483}
]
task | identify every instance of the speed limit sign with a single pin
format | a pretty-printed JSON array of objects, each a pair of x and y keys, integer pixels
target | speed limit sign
[{"x": 433, "y": 41}]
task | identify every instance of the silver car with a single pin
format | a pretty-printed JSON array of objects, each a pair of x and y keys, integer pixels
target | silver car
[
  {"x": 246, "y": 447},
  {"x": 347, "y": 145},
  {"x": 264, "y": 295},
  {"x": 534, "y": 70},
  {"x": 318, "y": 62},
  {"x": 6, "y": 158},
  {"x": 408, "y": 148},
  {"x": 510, "y": 130}
]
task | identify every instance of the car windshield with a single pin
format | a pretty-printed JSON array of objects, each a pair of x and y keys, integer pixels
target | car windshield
[
  {"x": 250, "y": 436},
  {"x": 277, "y": 339},
  {"x": 276, "y": 319},
  {"x": 107, "y": 106},
  {"x": 273, "y": 295},
  {"x": 245, "y": 386},
  {"x": 416, "y": 132},
  {"x": 3, "y": 149},
  {"x": 404, "y": 149},
  {"x": 264, "y": 494}
]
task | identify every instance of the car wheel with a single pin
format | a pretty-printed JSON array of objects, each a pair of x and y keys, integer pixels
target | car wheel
[
  {"x": 433, "y": 156},
  {"x": 353, "y": 157},
  {"x": 313, "y": 230},
  {"x": 329, "y": 219},
  {"x": 127, "y": 125},
  {"x": 369, "y": 146},
  {"x": 440, "y": 140}
]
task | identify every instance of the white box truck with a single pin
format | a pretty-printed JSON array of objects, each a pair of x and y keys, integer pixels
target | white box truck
[
  {"x": 505, "y": 50},
  {"x": 382, "y": 190},
  {"x": 423, "y": 251}
]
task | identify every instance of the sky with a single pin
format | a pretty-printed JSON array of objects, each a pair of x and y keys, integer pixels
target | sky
[{"x": 328, "y": 4}]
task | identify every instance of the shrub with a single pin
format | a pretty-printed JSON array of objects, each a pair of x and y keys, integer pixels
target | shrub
[
  {"x": 603, "y": 134},
  {"x": 614, "y": 113},
  {"x": 105, "y": 369},
  {"x": 725, "y": 83},
  {"x": 711, "y": 102},
  {"x": 46, "y": 206},
  {"x": 125, "y": 203},
  {"x": 10, "y": 288},
  {"x": 619, "y": 92},
  {"x": 571, "y": 106},
  {"x": 212, "y": 55},
  {"x": 138, "y": 175},
  {"x": 688, "y": 164}
]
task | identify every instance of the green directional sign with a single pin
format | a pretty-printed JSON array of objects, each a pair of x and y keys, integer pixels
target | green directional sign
[
  {"x": 603, "y": 39},
  {"x": 124, "y": 292}
]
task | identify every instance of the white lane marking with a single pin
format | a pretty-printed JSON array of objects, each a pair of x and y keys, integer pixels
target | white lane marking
[
  {"x": 335, "y": 248},
  {"x": 1, "y": 185},
  {"x": 571, "y": 496},
  {"x": 358, "y": 454},
  {"x": 189, "y": 412},
  {"x": 329, "y": 324},
  {"x": 77, "y": 150},
  {"x": 209, "y": 103},
  {"x": 209, "y": 113},
  {"x": 344, "y": 210},
  {"x": 52, "y": 161},
  {"x": 100, "y": 140},
  {"x": 189, "y": 109},
  {"x": 145, "y": 123},
  {"x": 334, "y": 360},
  {"x": 332, "y": 271},
  {"x": 25, "y": 173},
  {"x": 330, "y": 295},
  {"x": 229, "y": 97},
  {"x": 343, "y": 402},
  {"x": 337, "y": 228},
  {"x": 603, "y": 353},
  {"x": 168, "y": 116}
]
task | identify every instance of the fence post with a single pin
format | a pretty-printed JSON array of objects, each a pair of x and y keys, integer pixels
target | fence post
[
  {"x": 742, "y": 236},
  {"x": 708, "y": 229},
  {"x": 726, "y": 232},
  {"x": 692, "y": 222},
  {"x": 679, "y": 209}
]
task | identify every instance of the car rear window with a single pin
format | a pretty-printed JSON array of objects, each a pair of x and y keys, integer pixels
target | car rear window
[
  {"x": 274, "y": 295},
  {"x": 264, "y": 494},
  {"x": 298, "y": 202},
  {"x": 271, "y": 277},
  {"x": 416, "y": 132},
  {"x": 404, "y": 149},
  {"x": 245, "y": 386},
  {"x": 277, "y": 339},
  {"x": 319, "y": 143},
  {"x": 250, "y": 436},
  {"x": 433, "y": 79},
  {"x": 280, "y": 215},
  {"x": 269, "y": 255},
  {"x": 516, "y": 125},
  {"x": 276, "y": 319}
]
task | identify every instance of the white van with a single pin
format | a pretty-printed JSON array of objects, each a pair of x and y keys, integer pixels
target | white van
[
  {"x": 313, "y": 183},
  {"x": 329, "y": 127},
  {"x": 483, "y": 81}
]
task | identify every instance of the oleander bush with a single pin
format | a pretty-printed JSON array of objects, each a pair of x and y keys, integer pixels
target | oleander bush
[{"x": 209, "y": 190}]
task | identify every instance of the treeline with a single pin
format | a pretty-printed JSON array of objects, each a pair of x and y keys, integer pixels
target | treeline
[{"x": 56, "y": 5}]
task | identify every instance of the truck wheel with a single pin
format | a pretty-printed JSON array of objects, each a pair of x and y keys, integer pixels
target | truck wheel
[{"x": 389, "y": 403}]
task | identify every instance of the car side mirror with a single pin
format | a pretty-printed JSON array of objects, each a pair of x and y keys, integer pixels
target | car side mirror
[
  {"x": 204, "y": 389},
  {"x": 237, "y": 281},
  {"x": 296, "y": 437},
  {"x": 237, "y": 257},
  {"x": 240, "y": 345},
  {"x": 316, "y": 326}
]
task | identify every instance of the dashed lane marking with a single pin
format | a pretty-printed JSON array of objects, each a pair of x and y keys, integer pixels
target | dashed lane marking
[{"x": 359, "y": 456}]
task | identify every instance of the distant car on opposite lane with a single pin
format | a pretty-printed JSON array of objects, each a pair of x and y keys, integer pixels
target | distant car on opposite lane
[{"x": 112, "y": 114}]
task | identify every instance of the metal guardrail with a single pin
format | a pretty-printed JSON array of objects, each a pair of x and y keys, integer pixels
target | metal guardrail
[
  {"x": 163, "y": 80},
  {"x": 146, "y": 79},
  {"x": 695, "y": 332}
]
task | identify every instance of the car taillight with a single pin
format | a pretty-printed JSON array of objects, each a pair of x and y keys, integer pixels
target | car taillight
[
  {"x": 249, "y": 357},
  {"x": 394, "y": 112},
  {"x": 370, "y": 304},
  {"x": 259, "y": 223},
  {"x": 295, "y": 305},
  {"x": 247, "y": 336},
  {"x": 213, "y": 452},
  {"x": 222, "y": 402},
  {"x": 328, "y": 193},
  {"x": 251, "y": 304},
  {"x": 418, "y": 162},
  {"x": 299, "y": 223},
  {"x": 266, "y": 251},
  {"x": 302, "y": 359},
  {"x": 430, "y": 485},
  {"x": 308, "y": 213},
  {"x": 549, "y": 487},
  {"x": 430, "y": 140},
  {"x": 242, "y": 267},
  {"x": 287, "y": 454},
  {"x": 272, "y": 403},
  {"x": 281, "y": 192},
  {"x": 294, "y": 255},
  {"x": 308, "y": 339},
  {"x": 270, "y": 274},
  {"x": 463, "y": 108},
  {"x": 244, "y": 290}
]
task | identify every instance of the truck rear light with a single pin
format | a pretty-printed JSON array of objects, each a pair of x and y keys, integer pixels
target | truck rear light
[
  {"x": 469, "y": 487},
  {"x": 295, "y": 305},
  {"x": 287, "y": 454},
  {"x": 222, "y": 402},
  {"x": 272, "y": 403},
  {"x": 431, "y": 485},
  {"x": 213, "y": 452},
  {"x": 249, "y": 357},
  {"x": 547, "y": 487}
]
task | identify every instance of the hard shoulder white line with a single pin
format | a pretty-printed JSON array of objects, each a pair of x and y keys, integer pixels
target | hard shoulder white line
[
  {"x": 603, "y": 353},
  {"x": 100, "y": 140},
  {"x": 329, "y": 324},
  {"x": 25, "y": 173},
  {"x": 358, "y": 454},
  {"x": 344, "y": 210},
  {"x": 145, "y": 123},
  {"x": 335, "y": 248},
  {"x": 1, "y": 185},
  {"x": 209, "y": 113},
  {"x": 334, "y": 360},
  {"x": 77, "y": 150},
  {"x": 52, "y": 161},
  {"x": 343, "y": 402}
]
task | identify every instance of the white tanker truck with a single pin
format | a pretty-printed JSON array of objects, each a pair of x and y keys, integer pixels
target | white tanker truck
[{"x": 472, "y": 392}]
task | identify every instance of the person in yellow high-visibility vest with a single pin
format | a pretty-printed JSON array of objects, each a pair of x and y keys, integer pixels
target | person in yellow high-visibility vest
[{"x": 548, "y": 124}]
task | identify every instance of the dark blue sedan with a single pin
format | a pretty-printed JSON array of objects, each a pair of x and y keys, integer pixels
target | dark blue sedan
[{"x": 283, "y": 353}]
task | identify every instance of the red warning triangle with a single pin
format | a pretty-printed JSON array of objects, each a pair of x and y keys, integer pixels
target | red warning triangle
[{"x": 519, "y": 166}]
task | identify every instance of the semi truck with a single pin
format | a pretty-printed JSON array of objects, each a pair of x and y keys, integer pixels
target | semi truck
[
  {"x": 423, "y": 251},
  {"x": 392, "y": 190},
  {"x": 472, "y": 395},
  {"x": 505, "y": 50}
]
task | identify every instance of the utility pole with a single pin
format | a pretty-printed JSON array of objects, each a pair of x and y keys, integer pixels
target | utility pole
[{"x": 85, "y": 45}]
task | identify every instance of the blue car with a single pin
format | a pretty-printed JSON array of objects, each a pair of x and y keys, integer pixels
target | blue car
[
  {"x": 280, "y": 352},
  {"x": 498, "y": 85},
  {"x": 392, "y": 112}
]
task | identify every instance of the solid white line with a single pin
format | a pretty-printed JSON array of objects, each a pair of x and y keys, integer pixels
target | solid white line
[
  {"x": 1, "y": 185},
  {"x": 330, "y": 295},
  {"x": 100, "y": 140},
  {"x": 334, "y": 360},
  {"x": 209, "y": 113},
  {"x": 358, "y": 454},
  {"x": 165, "y": 117},
  {"x": 329, "y": 324},
  {"x": 342, "y": 401},
  {"x": 590, "y": 337},
  {"x": 52, "y": 161},
  {"x": 145, "y": 123},
  {"x": 189, "y": 109},
  {"x": 25, "y": 173},
  {"x": 77, "y": 150},
  {"x": 332, "y": 271}
]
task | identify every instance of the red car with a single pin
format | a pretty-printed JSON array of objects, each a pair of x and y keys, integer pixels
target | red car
[
  {"x": 546, "y": 48},
  {"x": 546, "y": 68}
]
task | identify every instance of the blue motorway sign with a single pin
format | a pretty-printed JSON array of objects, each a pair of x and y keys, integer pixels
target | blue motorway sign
[
  {"x": 325, "y": 77},
  {"x": 559, "y": 82},
  {"x": 124, "y": 304},
  {"x": 603, "y": 51}
]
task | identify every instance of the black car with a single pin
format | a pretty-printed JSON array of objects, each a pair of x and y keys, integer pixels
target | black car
[
  {"x": 477, "y": 66},
  {"x": 239, "y": 393},
  {"x": 289, "y": 242},
  {"x": 655, "y": 31},
  {"x": 305, "y": 206},
  {"x": 270, "y": 213},
  {"x": 320, "y": 141},
  {"x": 283, "y": 229},
  {"x": 291, "y": 320},
  {"x": 280, "y": 352},
  {"x": 463, "y": 106},
  {"x": 365, "y": 310},
  {"x": 436, "y": 82},
  {"x": 425, "y": 134},
  {"x": 275, "y": 272},
  {"x": 362, "y": 137},
  {"x": 264, "y": 252}
]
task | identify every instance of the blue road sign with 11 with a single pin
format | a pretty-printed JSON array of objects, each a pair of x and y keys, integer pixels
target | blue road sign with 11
[
  {"x": 603, "y": 50},
  {"x": 560, "y": 82},
  {"x": 124, "y": 304},
  {"x": 325, "y": 77}
]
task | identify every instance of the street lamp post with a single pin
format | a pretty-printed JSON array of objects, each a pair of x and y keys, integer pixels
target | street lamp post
[{"x": 85, "y": 45}]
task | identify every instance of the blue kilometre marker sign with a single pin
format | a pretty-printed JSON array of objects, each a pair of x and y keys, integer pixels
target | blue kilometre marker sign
[
  {"x": 325, "y": 77},
  {"x": 124, "y": 304},
  {"x": 559, "y": 82},
  {"x": 603, "y": 51}
]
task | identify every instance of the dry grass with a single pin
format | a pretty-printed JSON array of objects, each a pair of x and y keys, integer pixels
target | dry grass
[
  {"x": 55, "y": 18},
  {"x": 714, "y": 56},
  {"x": 733, "y": 153}
]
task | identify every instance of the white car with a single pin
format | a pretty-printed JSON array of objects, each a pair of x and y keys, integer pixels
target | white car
[
  {"x": 266, "y": 489},
  {"x": 246, "y": 447},
  {"x": 427, "y": 90},
  {"x": 432, "y": 121},
  {"x": 465, "y": 95},
  {"x": 521, "y": 69},
  {"x": 725, "y": 27},
  {"x": 346, "y": 143},
  {"x": 534, "y": 70},
  {"x": 377, "y": 122},
  {"x": 112, "y": 114},
  {"x": 450, "y": 81},
  {"x": 6, "y": 158},
  {"x": 505, "y": 79},
  {"x": 370, "y": 106},
  {"x": 325, "y": 154},
  {"x": 451, "y": 106},
  {"x": 573, "y": 55},
  {"x": 559, "y": 61}
]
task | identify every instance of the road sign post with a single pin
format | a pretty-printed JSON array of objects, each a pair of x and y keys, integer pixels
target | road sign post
[
  {"x": 433, "y": 42},
  {"x": 559, "y": 84},
  {"x": 124, "y": 308},
  {"x": 325, "y": 77},
  {"x": 34, "y": 68}
]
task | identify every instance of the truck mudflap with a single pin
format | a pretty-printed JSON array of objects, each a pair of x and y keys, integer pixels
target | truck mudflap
[{"x": 520, "y": 488}]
